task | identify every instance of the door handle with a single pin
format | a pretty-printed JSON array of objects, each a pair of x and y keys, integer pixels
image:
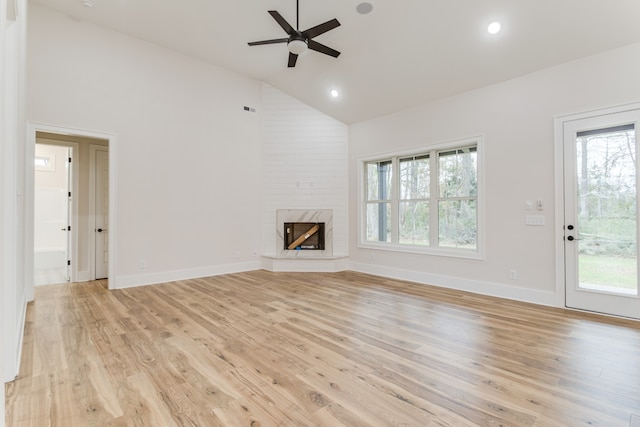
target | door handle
[
  {"x": 100, "y": 230},
  {"x": 571, "y": 238}
]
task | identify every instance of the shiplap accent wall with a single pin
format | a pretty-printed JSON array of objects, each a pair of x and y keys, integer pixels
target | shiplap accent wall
[{"x": 304, "y": 163}]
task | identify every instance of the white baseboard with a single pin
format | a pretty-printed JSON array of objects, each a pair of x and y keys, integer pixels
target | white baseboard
[
  {"x": 534, "y": 296},
  {"x": 21, "y": 327},
  {"x": 335, "y": 264},
  {"x": 122, "y": 282}
]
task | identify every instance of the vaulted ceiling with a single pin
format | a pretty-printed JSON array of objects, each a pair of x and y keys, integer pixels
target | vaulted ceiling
[{"x": 401, "y": 54}]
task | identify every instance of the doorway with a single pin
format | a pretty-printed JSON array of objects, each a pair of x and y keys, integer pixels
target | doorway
[
  {"x": 82, "y": 230},
  {"x": 600, "y": 210}
]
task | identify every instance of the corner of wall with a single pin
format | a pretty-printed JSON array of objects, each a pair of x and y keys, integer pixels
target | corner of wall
[{"x": 304, "y": 165}]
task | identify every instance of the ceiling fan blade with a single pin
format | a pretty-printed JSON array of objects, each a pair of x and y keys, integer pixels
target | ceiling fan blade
[
  {"x": 321, "y": 29},
  {"x": 283, "y": 22},
  {"x": 284, "y": 40},
  {"x": 292, "y": 59},
  {"x": 318, "y": 47}
]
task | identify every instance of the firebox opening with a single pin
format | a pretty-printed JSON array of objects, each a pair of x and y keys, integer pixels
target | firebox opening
[{"x": 304, "y": 236}]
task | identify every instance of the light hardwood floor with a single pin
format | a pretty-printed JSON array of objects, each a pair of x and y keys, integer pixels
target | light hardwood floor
[{"x": 313, "y": 349}]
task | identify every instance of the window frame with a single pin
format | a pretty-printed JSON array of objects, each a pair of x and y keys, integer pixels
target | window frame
[{"x": 432, "y": 151}]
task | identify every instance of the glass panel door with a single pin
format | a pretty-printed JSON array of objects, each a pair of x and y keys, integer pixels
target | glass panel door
[{"x": 601, "y": 232}]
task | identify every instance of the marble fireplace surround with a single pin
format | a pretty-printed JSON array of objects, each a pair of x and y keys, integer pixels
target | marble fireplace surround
[{"x": 304, "y": 215}]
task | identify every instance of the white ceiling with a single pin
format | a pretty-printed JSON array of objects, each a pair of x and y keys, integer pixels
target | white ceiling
[{"x": 404, "y": 53}]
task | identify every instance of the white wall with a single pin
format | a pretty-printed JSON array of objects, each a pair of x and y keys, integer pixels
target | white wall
[
  {"x": 12, "y": 170},
  {"x": 304, "y": 165},
  {"x": 516, "y": 119},
  {"x": 188, "y": 155}
]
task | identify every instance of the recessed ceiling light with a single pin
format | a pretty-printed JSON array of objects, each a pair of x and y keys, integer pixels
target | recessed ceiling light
[
  {"x": 364, "y": 8},
  {"x": 335, "y": 93},
  {"x": 494, "y": 28}
]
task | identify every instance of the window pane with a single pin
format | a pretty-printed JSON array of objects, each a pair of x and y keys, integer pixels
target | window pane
[
  {"x": 458, "y": 173},
  {"x": 457, "y": 224},
  {"x": 379, "y": 180},
  {"x": 378, "y": 224},
  {"x": 607, "y": 214},
  {"x": 414, "y": 178},
  {"x": 414, "y": 223}
]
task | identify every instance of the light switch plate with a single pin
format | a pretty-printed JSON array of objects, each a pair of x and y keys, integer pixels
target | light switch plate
[{"x": 534, "y": 219}]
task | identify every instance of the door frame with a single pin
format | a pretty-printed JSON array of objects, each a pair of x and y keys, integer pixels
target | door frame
[
  {"x": 73, "y": 186},
  {"x": 32, "y": 129},
  {"x": 559, "y": 124}
]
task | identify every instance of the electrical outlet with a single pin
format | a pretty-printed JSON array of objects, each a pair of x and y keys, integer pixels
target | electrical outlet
[
  {"x": 142, "y": 264},
  {"x": 513, "y": 274}
]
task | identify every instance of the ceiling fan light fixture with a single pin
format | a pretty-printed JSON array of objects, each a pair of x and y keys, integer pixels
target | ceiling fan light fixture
[{"x": 297, "y": 46}]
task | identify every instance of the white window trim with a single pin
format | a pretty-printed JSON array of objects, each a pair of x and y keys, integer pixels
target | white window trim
[{"x": 477, "y": 254}]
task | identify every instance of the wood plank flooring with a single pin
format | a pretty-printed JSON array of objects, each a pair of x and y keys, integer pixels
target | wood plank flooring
[{"x": 315, "y": 349}]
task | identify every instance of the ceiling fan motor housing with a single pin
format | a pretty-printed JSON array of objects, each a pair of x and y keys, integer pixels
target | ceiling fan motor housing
[{"x": 297, "y": 44}]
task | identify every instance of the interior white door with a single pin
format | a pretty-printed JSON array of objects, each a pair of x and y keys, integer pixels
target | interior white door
[
  {"x": 102, "y": 214},
  {"x": 67, "y": 229},
  {"x": 52, "y": 215},
  {"x": 601, "y": 205}
]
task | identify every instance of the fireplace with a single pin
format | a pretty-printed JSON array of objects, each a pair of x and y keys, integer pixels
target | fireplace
[
  {"x": 304, "y": 236},
  {"x": 303, "y": 222}
]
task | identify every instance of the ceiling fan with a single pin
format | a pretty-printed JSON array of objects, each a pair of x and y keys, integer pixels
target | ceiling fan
[{"x": 298, "y": 41}]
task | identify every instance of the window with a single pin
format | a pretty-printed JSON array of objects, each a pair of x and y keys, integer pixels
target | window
[
  {"x": 45, "y": 163},
  {"x": 424, "y": 202},
  {"x": 413, "y": 203},
  {"x": 379, "y": 201},
  {"x": 457, "y": 198}
]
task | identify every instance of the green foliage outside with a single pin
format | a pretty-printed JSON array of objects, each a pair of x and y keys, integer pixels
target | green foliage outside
[
  {"x": 610, "y": 271},
  {"x": 614, "y": 237}
]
